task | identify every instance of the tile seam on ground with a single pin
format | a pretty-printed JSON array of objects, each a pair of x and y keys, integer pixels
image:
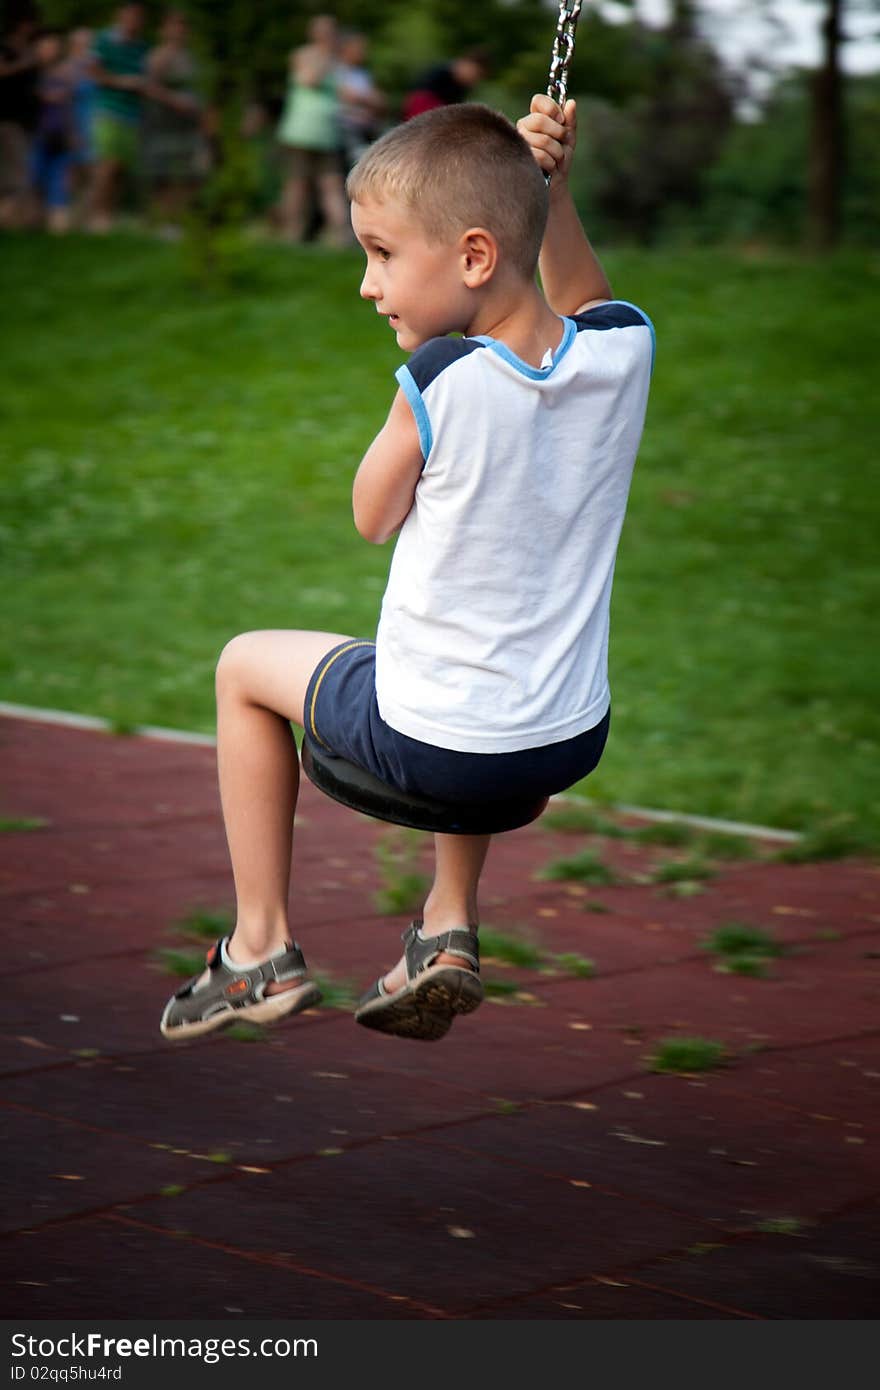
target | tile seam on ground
[
  {"x": 560, "y": 1098},
  {"x": 533, "y": 978},
  {"x": 576, "y": 1285},
  {"x": 277, "y": 1261},
  {"x": 254, "y": 1257},
  {"x": 280, "y": 1261},
  {"x": 423, "y": 1135},
  {"x": 91, "y": 723},
  {"x": 732, "y": 1238}
]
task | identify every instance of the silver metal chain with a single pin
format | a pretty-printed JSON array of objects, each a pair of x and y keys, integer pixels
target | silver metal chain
[{"x": 563, "y": 49}]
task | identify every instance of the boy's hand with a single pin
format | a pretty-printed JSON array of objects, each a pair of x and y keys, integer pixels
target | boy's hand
[{"x": 551, "y": 134}]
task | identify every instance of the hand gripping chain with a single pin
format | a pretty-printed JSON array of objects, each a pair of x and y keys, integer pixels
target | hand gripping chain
[{"x": 563, "y": 49}]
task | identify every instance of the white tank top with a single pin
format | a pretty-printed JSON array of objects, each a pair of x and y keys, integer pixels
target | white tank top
[{"x": 493, "y": 635}]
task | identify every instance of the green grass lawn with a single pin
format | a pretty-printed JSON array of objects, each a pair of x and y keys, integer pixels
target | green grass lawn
[{"x": 177, "y": 463}]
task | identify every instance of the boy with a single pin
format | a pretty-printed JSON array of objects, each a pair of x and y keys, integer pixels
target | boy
[{"x": 504, "y": 465}]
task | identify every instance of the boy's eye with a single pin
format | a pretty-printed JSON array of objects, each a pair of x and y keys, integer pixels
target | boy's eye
[{"x": 382, "y": 253}]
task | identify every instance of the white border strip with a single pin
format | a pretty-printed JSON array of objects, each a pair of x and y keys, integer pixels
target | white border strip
[
  {"x": 725, "y": 827},
  {"x": 86, "y": 721}
]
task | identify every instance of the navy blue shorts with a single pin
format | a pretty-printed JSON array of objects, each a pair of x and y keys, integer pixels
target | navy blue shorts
[{"x": 342, "y": 713}]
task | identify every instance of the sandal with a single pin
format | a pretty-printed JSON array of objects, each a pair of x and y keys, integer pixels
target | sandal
[
  {"x": 433, "y": 995},
  {"x": 233, "y": 993}
]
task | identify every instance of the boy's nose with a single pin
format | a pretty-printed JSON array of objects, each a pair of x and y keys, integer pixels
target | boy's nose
[{"x": 368, "y": 290}]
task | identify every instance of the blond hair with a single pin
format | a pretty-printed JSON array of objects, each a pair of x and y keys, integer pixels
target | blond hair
[{"x": 456, "y": 167}]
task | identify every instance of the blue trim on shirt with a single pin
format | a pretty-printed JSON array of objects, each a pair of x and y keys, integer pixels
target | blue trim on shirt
[
  {"x": 414, "y": 396},
  {"x": 608, "y": 315},
  {"x": 569, "y": 332},
  {"x": 434, "y": 356}
]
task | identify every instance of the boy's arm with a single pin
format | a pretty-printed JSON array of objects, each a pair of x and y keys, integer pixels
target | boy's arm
[
  {"x": 571, "y": 275},
  {"x": 386, "y": 480}
]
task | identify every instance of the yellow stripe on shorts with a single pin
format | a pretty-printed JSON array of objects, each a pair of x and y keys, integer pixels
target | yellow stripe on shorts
[{"x": 340, "y": 651}]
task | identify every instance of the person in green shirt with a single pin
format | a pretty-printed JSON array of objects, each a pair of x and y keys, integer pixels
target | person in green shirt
[
  {"x": 310, "y": 136},
  {"x": 118, "y": 67}
]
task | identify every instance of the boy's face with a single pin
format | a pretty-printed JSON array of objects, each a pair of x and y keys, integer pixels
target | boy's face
[{"x": 417, "y": 284}]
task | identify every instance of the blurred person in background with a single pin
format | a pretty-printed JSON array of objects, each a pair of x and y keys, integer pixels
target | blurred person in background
[
  {"x": 79, "y": 68},
  {"x": 51, "y": 152},
  {"x": 174, "y": 147},
  {"x": 119, "y": 58},
  {"x": 447, "y": 83},
  {"x": 310, "y": 136},
  {"x": 19, "y": 112},
  {"x": 362, "y": 105}
]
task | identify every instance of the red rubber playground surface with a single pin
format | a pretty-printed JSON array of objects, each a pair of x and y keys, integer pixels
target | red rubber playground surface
[{"x": 529, "y": 1166}]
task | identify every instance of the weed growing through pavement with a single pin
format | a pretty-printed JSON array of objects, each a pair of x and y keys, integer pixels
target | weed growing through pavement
[
  {"x": 500, "y": 989},
  {"x": 180, "y": 963},
  {"x": 781, "y": 1226},
  {"x": 580, "y": 966},
  {"x": 831, "y": 839},
  {"x": 207, "y": 923},
  {"x": 122, "y": 726},
  {"x": 581, "y": 819},
  {"x": 586, "y": 867},
  {"x": 668, "y": 832},
  {"x": 335, "y": 994},
  {"x": 718, "y": 844},
  {"x": 403, "y": 885},
  {"x": 741, "y": 949},
  {"x": 505, "y": 1107},
  {"x": 689, "y": 870},
  {"x": 687, "y": 1055},
  {"x": 509, "y": 949},
  {"x": 513, "y": 950},
  {"x": 247, "y": 1032},
  {"x": 687, "y": 888}
]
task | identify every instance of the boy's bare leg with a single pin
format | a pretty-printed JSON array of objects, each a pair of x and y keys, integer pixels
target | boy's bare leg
[
  {"x": 261, "y": 686},
  {"x": 452, "y": 901}
]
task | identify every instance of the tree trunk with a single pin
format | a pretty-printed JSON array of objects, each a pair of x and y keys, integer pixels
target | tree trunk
[{"x": 826, "y": 137}]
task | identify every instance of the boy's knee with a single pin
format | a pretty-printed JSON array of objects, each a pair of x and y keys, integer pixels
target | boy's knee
[{"x": 234, "y": 662}]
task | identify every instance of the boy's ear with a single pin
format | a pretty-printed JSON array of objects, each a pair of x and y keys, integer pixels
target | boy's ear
[{"x": 479, "y": 256}]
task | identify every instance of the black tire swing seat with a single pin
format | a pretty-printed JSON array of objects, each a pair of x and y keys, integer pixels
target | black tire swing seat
[{"x": 350, "y": 785}]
